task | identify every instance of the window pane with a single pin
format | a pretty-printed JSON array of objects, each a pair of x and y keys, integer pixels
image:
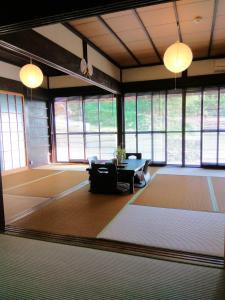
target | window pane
[
  {"x": 107, "y": 114},
  {"x": 19, "y": 105},
  {"x": 210, "y": 104},
  {"x": 92, "y": 145},
  {"x": 222, "y": 148},
  {"x": 75, "y": 117},
  {"x": 60, "y": 117},
  {"x": 130, "y": 112},
  {"x": 3, "y": 103},
  {"x": 174, "y": 148},
  {"x": 144, "y": 112},
  {"x": 222, "y": 109},
  {"x": 192, "y": 148},
  {"x": 91, "y": 115},
  {"x": 158, "y": 111},
  {"x": 62, "y": 147},
  {"x": 174, "y": 112},
  {"x": 145, "y": 145},
  {"x": 12, "y": 104},
  {"x": 76, "y": 146},
  {"x": 193, "y": 111},
  {"x": 108, "y": 145},
  {"x": 130, "y": 142},
  {"x": 209, "y": 147},
  {"x": 158, "y": 147}
]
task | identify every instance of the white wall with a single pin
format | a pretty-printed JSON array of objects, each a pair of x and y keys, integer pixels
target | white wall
[
  {"x": 147, "y": 73},
  {"x": 65, "y": 81},
  {"x": 103, "y": 64},
  {"x": 63, "y": 37}
]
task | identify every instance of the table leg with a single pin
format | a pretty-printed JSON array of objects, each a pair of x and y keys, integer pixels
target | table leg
[{"x": 131, "y": 184}]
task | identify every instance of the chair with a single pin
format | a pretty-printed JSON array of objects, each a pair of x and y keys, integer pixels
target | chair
[
  {"x": 92, "y": 159},
  {"x": 133, "y": 155},
  {"x": 104, "y": 179},
  {"x": 142, "y": 177}
]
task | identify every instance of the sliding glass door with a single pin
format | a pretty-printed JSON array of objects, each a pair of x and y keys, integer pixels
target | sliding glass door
[
  {"x": 177, "y": 127},
  {"x": 85, "y": 126}
]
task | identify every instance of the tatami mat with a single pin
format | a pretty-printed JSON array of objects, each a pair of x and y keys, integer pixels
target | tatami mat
[
  {"x": 51, "y": 186},
  {"x": 191, "y": 171},
  {"x": 15, "y": 205},
  {"x": 219, "y": 190},
  {"x": 37, "y": 270},
  {"x": 81, "y": 213},
  {"x": 189, "y": 231},
  {"x": 183, "y": 192},
  {"x": 15, "y": 179},
  {"x": 66, "y": 167}
]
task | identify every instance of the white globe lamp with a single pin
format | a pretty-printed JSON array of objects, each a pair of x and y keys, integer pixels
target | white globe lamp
[
  {"x": 177, "y": 57},
  {"x": 31, "y": 76}
]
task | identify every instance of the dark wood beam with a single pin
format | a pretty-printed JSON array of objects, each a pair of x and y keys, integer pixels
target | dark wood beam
[
  {"x": 168, "y": 84},
  {"x": 177, "y": 21},
  {"x": 12, "y": 21},
  {"x": 90, "y": 43},
  {"x": 148, "y": 35},
  {"x": 36, "y": 46},
  {"x": 212, "y": 26},
  {"x": 119, "y": 39}
]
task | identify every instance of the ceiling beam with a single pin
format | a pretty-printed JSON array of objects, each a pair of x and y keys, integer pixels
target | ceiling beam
[
  {"x": 148, "y": 35},
  {"x": 11, "y": 21},
  {"x": 177, "y": 21},
  {"x": 90, "y": 43},
  {"x": 33, "y": 45},
  {"x": 212, "y": 26},
  {"x": 119, "y": 39}
]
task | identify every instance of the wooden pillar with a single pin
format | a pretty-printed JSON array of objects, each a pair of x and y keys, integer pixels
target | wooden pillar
[
  {"x": 2, "y": 213},
  {"x": 119, "y": 103}
]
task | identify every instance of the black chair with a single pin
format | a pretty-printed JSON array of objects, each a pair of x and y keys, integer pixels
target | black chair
[
  {"x": 133, "y": 155},
  {"x": 142, "y": 177},
  {"x": 104, "y": 179},
  {"x": 92, "y": 159}
]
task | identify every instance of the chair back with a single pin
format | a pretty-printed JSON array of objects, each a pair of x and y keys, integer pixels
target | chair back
[
  {"x": 103, "y": 178},
  {"x": 133, "y": 155},
  {"x": 145, "y": 168},
  {"x": 92, "y": 159}
]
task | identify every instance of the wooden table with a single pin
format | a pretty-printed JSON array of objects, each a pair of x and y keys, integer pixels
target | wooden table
[{"x": 128, "y": 168}]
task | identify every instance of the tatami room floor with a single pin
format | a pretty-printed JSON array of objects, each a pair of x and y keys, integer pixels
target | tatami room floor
[{"x": 181, "y": 209}]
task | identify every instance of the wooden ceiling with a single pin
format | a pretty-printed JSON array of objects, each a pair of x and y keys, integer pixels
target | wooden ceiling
[{"x": 140, "y": 36}]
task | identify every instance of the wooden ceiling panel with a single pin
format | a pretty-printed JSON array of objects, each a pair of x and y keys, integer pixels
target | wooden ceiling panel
[
  {"x": 118, "y": 14},
  {"x": 219, "y": 49},
  {"x": 106, "y": 40},
  {"x": 132, "y": 35},
  {"x": 91, "y": 29},
  {"x": 139, "y": 45},
  {"x": 123, "y": 23},
  {"x": 146, "y": 59},
  {"x": 199, "y": 52},
  {"x": 221, "y": 8},
  {"x": 124, "y": 60},
  {"x": 82, "y": 21},
  {"x": 188, "y": 10},
  {"x": 219, "y": 34},
  {"x": 189, "y": 27},
  {"x": 154, "y": 7},
  {"x": 158, "y": 17},
  {"x": 157, "y": 32},
  {"x": 196, "y": 37},
  {"x": 220, "y": 22}
]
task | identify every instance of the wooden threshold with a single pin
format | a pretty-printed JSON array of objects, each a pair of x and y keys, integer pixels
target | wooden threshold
[{"x": 120, "y": 247}]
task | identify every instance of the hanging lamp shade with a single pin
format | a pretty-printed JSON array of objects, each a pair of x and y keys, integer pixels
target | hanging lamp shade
[
  {"x": 177, "y": 57},
  {"x": 31, "y": 76}
]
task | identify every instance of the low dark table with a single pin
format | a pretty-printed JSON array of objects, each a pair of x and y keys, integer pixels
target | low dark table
[{"x": 128, "y": 168}]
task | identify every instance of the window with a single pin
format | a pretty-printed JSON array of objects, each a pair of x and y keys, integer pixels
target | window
[
  {"x": 177, "y": 127},
  {"x": 13, "y": 153},
  {"x": 85, "y": 127}
]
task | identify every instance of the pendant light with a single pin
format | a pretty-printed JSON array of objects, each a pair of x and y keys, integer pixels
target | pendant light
[
  {"x": 31, "y": 75},
  {"x": 177, "y": 57}
]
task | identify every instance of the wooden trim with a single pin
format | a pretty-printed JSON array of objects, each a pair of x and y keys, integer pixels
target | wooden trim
[
  {"x": 177, "y": 20},
  {"x": 119, "y": 39},
  {"x": 148, "y": 35},
  {"x": 82, "y": 9},
  {"x": 120, "y": 247},
  {"x": 90, "y": 43},
  {"x": 213, "y": 26},
  {"x": 32, "y": 44}
]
